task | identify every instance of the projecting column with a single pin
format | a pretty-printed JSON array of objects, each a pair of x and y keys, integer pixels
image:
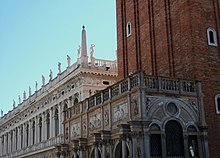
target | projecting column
[
  {"x": 30, "y": 136},
  {"x": 124, "y": 150},
  {"x": 104, "y": 142},
  {"x": 14, "y": 140},
  {"x": 36, "y": 130},
  {"x": 9, "y": 142},
  {"x": 4, "y": 145},
  {"x": 24, "y": 135},
  {"x": 61, "y": 118},
  {"x": 19, "y": 139}
]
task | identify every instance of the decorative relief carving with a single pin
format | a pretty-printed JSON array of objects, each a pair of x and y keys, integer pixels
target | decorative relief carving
[
  {"x": 120, "y": 112},
  {"x": 106, "y": 117},
  {"x": 95, "y": 121},
  {"x": 194, "y": 104},
  {"x": 135, "y": 107},
  {"x": 75, "y": 130}
]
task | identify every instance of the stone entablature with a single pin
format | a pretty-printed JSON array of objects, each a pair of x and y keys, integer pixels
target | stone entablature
[{"x": 127, "y": 110}]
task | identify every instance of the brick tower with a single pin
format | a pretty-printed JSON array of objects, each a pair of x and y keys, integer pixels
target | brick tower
[{"x": 174, "y": 39}]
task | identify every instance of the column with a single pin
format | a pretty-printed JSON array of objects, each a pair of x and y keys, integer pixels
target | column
[
  {"x": 19, "y": 139},
  {"x": 60, "y": 119},
  {"x": 124, "y": 150},
  {"x": 131, "y": 147},
  {"x": 43, "y": 126},
  {"x": 9, "y": 142},
  {"x": 51, "y": 123},
  {"x": 5, "y": 144},
  {"x": 1, "y": 146},
  {"x": 146, "y": 145},
  {"x": 29, "y": 133},
  {"x": 24, "y": 135},
  {"x": 81, "y": 152},
  {"x": 134, "y": 144},
  {"x": 36, "y": 138},
  {"x": 14, "y": 140}
]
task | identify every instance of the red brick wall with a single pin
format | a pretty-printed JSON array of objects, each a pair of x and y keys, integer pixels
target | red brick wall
[{"x": 169, "y": 39}]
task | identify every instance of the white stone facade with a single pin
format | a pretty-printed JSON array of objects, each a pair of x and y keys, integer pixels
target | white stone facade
[{"x": 36, "y": 125}]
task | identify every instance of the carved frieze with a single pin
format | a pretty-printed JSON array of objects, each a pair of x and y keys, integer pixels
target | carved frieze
[
  {"x": 120, "y": 112},
  {"x": 95, "y": 121}
]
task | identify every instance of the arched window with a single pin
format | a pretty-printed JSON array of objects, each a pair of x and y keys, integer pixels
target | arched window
[
  {"x": 212, "y": 37},
  {"x": 40, "y": 129},
  {"x": 174, "y": 139},
  {"x": 217, "y": 103},
  {"x": 76, "y": 101},
  {"x": 22, "y": 144},
  {"x": 33, "y": 132},
  {"x": 56, "y": 117},
  {"x": 128, "y": 29},
  {"x": 27, "y": 134},
  {"x": 48, "y": 125},
  {"x": 155, "y": 141}
]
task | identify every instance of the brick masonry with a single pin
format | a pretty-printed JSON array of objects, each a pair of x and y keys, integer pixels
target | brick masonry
[{"x": 169, "y": 39}]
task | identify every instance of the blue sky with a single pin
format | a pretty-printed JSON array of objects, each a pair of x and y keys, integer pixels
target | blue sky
[{"x": 37, "y": 34}]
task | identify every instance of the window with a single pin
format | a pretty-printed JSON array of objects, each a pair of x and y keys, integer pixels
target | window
[
  {"x": 212, "y": 37},
  {"x": 217, "y": 103},
  {"x": 128, "y": 29}
]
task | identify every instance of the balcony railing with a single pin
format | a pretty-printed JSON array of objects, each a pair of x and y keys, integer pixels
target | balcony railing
[{"x": 149, "y": 83}]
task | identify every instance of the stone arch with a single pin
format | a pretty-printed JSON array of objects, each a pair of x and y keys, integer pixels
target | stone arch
[
  {"x": 174, "y": 139},
  {"x": 117, "y": 152},
  {"x": 92, "y": 153}
]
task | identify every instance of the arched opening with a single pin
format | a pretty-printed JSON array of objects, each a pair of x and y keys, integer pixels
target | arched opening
[
  {"x": 212, "y": 37},
  {"x": 56, "y": 122},
  {"x": 22, "y": 144},
  {"x": 27, "y": 135},
  {"x": 48, "y": 125},
  {"x": 174, "y": 139},
  {"x": 93, "y": 154},
  {"x": 118, "y": 151},
  {"x": 155, "y": 141},
  {"x": 33, "y": 132},
  {"x": 40, "y": 129},
  {"x": 65, "y": 110},
  {"x": 193, "y": 142}
]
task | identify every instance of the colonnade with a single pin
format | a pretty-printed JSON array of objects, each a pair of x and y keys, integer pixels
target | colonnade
[{"x": 37, "y": 129}]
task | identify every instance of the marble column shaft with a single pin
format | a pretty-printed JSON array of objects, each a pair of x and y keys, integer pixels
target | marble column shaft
[
  {"x": 124, "y": 150},
  {"x": 96, "y": 151},
  {"x": 1, "y": 146},
  {"x": 51, "y": 123}
]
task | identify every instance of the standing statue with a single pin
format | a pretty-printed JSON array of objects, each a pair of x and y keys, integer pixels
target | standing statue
[
  {"x": 51, "y": 74},
  {"x": 43, "y": 80},
  {"x": 68, "y": 60},
  {"x": 19, "y": 99},
  {"x": 79, "y": 51},
  {"x": 36, "y": 85},
  {"x": 29, "y": 90},
  {"x": 25, "y": 95},
  {"x": 13, "y": 104},
  {"x": 91, "y": 51},
  {"x": 59, "y": 67}
]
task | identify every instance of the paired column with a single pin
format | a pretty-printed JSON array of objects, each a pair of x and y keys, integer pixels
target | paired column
[
  {"x": 5, "y": 144},
  {"x": 9, "y": 142},
  {"x": 44, "y": 132},
  {"x": 61, "y": 118}
]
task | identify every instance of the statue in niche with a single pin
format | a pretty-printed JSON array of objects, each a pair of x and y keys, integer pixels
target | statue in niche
[
  {"x": 59, "y": 67},
  {"x": 79, "y": 51},
  {"x": 43, "y": 80},
  {"x": 36, "y": 85},
  {"x": 91, "y": 51},
  {"x": 68, "y": 60},
  {"x": 51, "y": 74},
  {"x": 29, "y": 91}
]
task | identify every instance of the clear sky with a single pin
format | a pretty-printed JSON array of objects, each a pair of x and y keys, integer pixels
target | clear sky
[{"x": 37, "y": 34}]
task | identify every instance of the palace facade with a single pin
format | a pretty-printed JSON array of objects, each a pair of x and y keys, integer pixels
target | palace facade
[{"x": 35, "y": 127}]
